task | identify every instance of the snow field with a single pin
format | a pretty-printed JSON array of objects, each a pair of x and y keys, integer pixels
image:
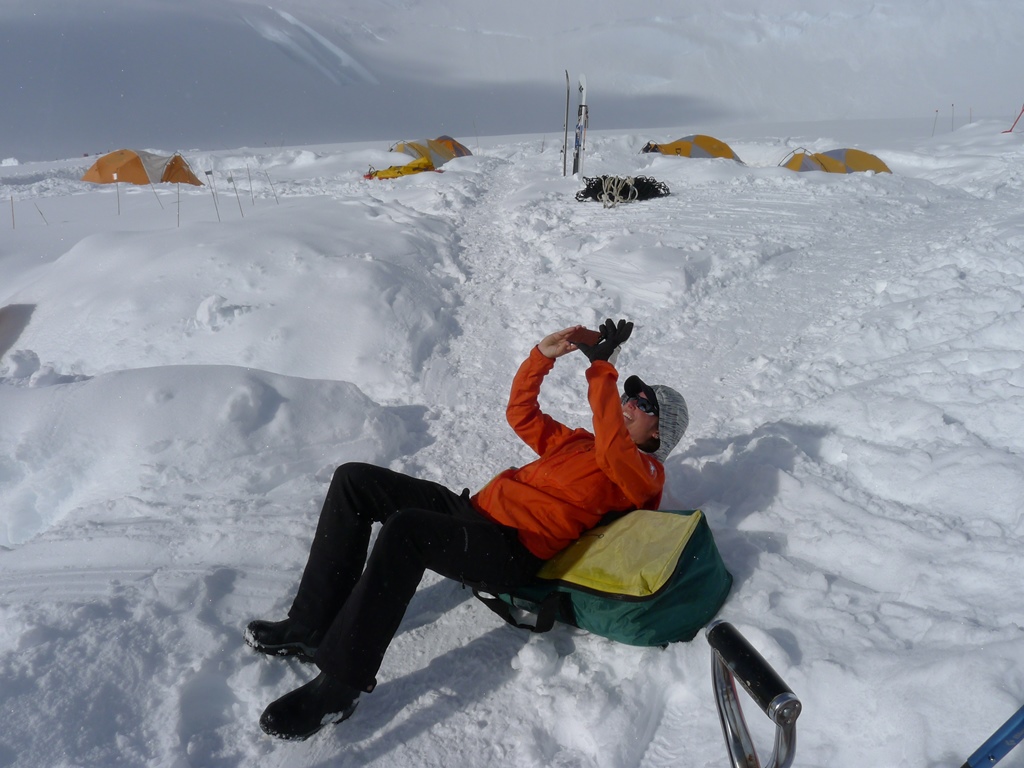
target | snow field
[{"x": 176, "y": 399}]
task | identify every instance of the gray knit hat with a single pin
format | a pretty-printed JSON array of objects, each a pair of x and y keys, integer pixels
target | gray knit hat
[{"x": 673, "y": 415}]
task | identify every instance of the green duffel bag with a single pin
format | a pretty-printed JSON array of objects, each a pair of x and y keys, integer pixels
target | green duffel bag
[{"x": 648, "y": 578}]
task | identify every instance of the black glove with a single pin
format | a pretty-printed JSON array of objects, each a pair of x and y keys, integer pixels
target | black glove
[{"x": 612, "y": 336}]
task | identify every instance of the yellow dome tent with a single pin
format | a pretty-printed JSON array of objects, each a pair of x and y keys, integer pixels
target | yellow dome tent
[
  {"x": 138, "y": 167},
  {"x": 427, "y": 154},
  {"x": 697, "y": 145},
  {"x": 834, "y": 161}
]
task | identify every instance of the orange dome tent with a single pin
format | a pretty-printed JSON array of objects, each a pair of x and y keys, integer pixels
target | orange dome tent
[
  {"x": 697, "y": 145},
  {"x": 834, "y": 161},
  {"x": 428, "y": 155},
  {"x": 138, "y": 167}
]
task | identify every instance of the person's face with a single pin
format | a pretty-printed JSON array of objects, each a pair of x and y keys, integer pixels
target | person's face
[{"x": 640, "y": 425}]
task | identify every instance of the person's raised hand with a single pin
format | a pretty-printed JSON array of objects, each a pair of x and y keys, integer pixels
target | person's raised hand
[
  {"x": 557, "y": 344},
  {"x": 612, "y": 335}
]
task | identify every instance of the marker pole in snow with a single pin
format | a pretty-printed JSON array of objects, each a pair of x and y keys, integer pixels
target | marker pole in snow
[
  {"x": 582, "y": 117},
  {"x": 1009, "y": 735},
  {"x": 565, "y": 127},
  {"x": 213, "y": 192},
  {"x": 272, "y": 189},
  {"x": 231, "y": 178}
]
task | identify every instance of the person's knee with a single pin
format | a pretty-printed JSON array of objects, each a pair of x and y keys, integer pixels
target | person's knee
[
  {"x": 356, "y": 479},
  {"x": 350, "y": 471}
]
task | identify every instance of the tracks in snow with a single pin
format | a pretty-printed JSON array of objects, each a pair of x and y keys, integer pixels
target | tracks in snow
[{"x": 509, "y": 300}]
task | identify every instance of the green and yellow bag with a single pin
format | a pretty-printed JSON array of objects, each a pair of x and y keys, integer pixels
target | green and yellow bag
[{"x": 648, "y": 578}]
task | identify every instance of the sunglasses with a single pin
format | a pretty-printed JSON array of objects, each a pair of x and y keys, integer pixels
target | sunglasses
[{"x": 645, "y": 405}]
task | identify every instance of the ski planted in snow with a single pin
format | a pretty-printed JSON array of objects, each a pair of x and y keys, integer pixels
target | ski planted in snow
[
  {"x": 581, "y": 129},
  {"x": 565, "y": 127}
]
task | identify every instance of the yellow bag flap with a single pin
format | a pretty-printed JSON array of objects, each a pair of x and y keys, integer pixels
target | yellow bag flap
[{"x": 634, "y": 556}]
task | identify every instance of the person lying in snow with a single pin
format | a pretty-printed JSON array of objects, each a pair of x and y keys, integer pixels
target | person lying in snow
[{"x": 344, "y": 616}]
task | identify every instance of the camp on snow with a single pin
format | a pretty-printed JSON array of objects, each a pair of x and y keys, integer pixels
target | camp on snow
[
  {"x": 698, "y": 145},
  {"x": 846, "y": 160},
  {"x": 137, "y": 167},
  {"x": 427, "y": 154}
]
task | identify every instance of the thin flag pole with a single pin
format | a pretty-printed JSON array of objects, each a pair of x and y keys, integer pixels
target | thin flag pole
[
  {"x": 231, "y": 178},
  {"x": 213, "y": 192}
]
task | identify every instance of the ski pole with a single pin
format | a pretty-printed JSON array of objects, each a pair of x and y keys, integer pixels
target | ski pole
[
  {"x": 1002, "y": 741},
  {"x": 565, "y": 126}
]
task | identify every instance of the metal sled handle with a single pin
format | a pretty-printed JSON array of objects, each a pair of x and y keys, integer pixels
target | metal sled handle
[{"x": 734, "y": 658}]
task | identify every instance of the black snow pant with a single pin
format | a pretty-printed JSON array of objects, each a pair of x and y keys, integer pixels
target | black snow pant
[{"x": 425, "y": 525}]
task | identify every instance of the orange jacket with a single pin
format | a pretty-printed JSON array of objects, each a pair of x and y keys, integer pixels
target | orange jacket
[{"x": 580, "y": 476}]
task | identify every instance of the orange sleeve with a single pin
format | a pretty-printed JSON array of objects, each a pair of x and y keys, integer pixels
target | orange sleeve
[
  {"x": 534, "y": 427},
  {"x": 579, "y": 477},
  {"x": 639, "y": 475}
]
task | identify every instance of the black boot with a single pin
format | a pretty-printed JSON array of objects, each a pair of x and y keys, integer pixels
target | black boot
[
  {"x": 304, "y": 711},
  {"x": 282, "y": 638}
]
